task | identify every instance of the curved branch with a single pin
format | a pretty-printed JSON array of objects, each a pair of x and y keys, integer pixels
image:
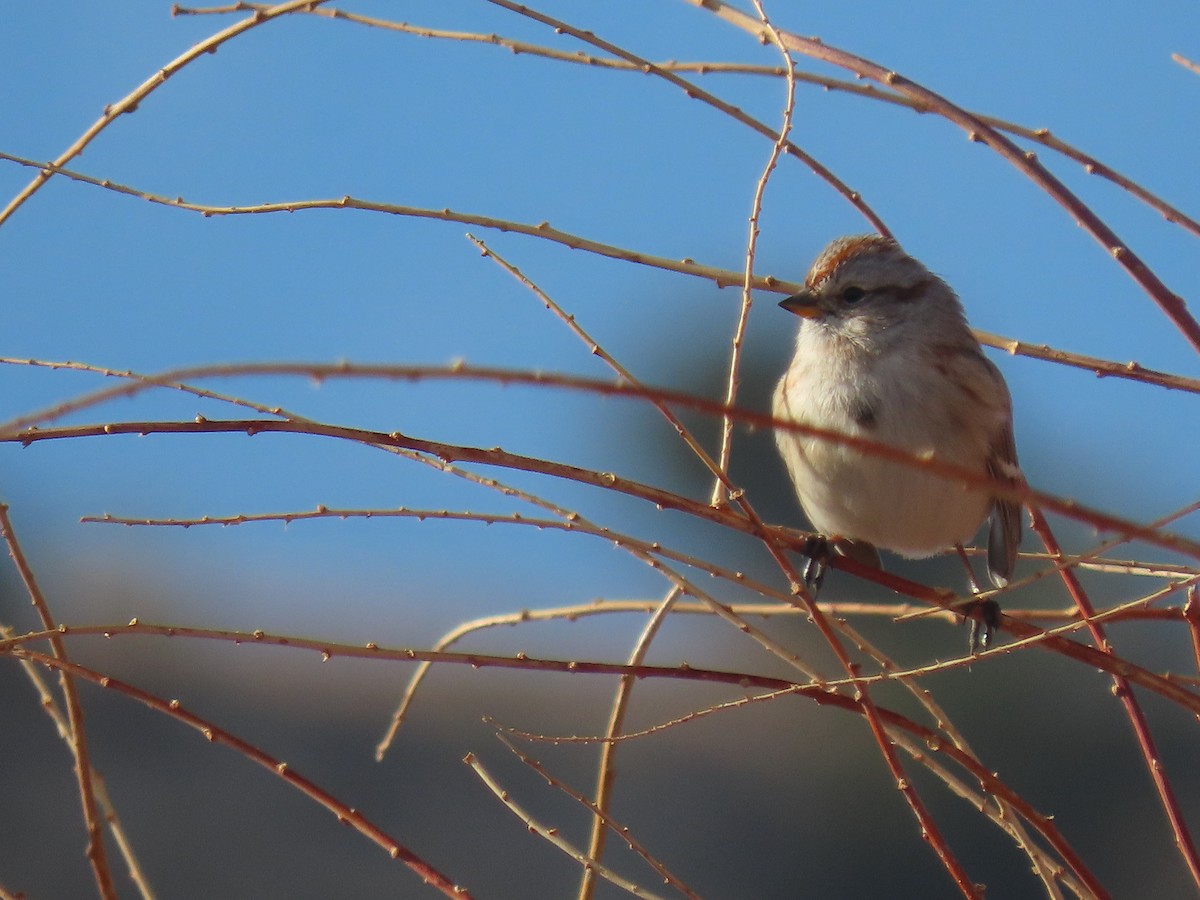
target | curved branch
[
  {"x": 216, "y": 735},
  {"x": 1131, "y": 370},
  {"x": 499, "y": 457},
  {"x": 1172, "y": 305},
  {"x": 817, "y": 693},
  {"x": 130, "y": 102}
]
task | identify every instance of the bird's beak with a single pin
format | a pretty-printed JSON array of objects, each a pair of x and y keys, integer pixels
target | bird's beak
[{"x": 803, "y": 304}]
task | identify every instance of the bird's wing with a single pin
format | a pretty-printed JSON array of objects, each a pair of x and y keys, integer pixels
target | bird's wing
[{"x": 1004, "y": 533}]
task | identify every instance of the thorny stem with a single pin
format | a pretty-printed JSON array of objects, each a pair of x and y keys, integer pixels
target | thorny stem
[
  {"x": 1006, "y": 818},
  {"x": 819, "y": 693},
  {"x": 606, "y": 772},
  {"x": 1133, "y": 710},
  {"x": 217, "y": 735},
  {"x": 131, "y": 101},
  {"x": 96, "y": 853},
  {"x": 666, "y": 499},
  {"x": 553, "y": 835},
  {"x": 104, "y": 803},
  {"x": 1191, "y": 614},
  {"x": 1170, "y": 303},
  {"x": 621, "y": 831},
  {"x": 1042, "y": 136},
  {"x": 739, "y": 332},
  {"x": 1131, "y": 370},
  {"x": 608, "y": 359},
  {"x": 696, "y": 92}
]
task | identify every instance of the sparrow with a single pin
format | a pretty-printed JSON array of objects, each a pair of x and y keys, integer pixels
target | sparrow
[{"x": 884, "y": 353}]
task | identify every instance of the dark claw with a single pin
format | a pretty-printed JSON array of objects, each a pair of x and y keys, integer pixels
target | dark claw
[
  {"x": 816, "y": 548},
  {"x": 985, "y": 618}
]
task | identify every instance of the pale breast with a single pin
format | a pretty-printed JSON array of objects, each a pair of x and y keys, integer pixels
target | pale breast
[{"x": 850, "y": 493}]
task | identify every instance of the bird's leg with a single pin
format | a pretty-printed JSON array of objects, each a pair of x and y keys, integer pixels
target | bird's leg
[
  {"x": 984, "y": 614},
  {"x": 966, "y": 561},
  {"x": 817, "y": 550},
  {"x": 985, "y": 617}
]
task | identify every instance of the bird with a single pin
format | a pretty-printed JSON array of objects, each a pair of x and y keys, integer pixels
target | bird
[{"x": 884, "y": 352}]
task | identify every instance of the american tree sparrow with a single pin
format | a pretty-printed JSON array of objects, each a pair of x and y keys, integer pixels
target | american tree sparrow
[{"x": 884, "y": 353}]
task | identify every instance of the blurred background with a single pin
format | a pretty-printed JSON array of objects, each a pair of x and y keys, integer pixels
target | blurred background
[{"x": 776, "y": 800}]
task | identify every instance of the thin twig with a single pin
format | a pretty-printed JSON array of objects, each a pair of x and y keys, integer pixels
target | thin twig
[
  {"x": 498, "y": 457},
  {"x": 606, "y": 772},
  {"x": 1185, "y": 62},
  {"x": 1191, "y": 614},
  {"x": 1124, "y": 692},
  {"x": 616, "y": 828},
  {"x": 1042, "y": 136},
  {"x": 552, "y": 835},
  {"x": 1171, "y": 690},
  {"x": 1171, "y": 304},
  {"x": 1005, "y": 817},
  {"x": 1132, "y": 370},
  {"x": 217, "y": 735},
  {"x": 96, "y": 853},
  {"x": 131, "y": 101},
  {"x": 695, "y": 92},
  {"x": 607, "y": 358},
  {"x": 104, "y": 803},
  {"x": 733, "y": 380}
]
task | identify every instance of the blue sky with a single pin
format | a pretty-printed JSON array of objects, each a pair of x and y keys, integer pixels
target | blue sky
[{"x": 310, "y": 108}]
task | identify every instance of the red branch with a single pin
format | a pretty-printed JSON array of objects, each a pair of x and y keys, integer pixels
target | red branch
[
  {"x": 216, "y": 735},
  {"x": 1133, "y": 710}
]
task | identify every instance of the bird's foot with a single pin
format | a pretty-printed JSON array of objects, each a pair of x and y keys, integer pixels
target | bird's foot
[
  {"x": 816, "y": 550},
  {"x": 985, "y": 617}
]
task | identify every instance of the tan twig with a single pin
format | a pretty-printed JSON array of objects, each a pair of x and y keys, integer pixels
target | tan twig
[
  {"x": 1042, "y": 136},
  {"x": 607, "y": 358},
  {"x": 620, "y": 830},
  {"x": 96, "y": 853},
  {"x": 1191, "y": 614},
  {"x": 1170, "y": 689},
  {"x": 1128, "y": 611},
  {"x": 1017, "y": 622},
  {"x": 498, "y": 457},
  {"x": 552, "y": 835},
  {"x": 1101, "y": 368},
  {"x": 1185, "y": 62},
  {"x": 104, "y": 802},
  {"x": 656, "y": 728},
  {"x": 130, "y": 102},
  {"x": 695, "y": 92},
  {"x": 544, "y": 230},
  {"x": 733, "y": 380},
  {"x": 1133, "y": 709},
  {"x": 1091, "y": 559},
  {"x": 606, "y": 772},
  {"x": 933, "y": 743},
  {"x": 573, "y": 612},
  {"x": 1132, "y": 370},
  {"x": 1005, "y": 816},
  {"x": 644, "y": 551},
  {"x": 218, "y": 735},
  {"x": 1171, "y": 304},
  {"x": 1002, "y": 814}
]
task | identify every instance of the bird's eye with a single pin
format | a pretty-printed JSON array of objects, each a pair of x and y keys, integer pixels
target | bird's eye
[{"x": 853, "y": 294}]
